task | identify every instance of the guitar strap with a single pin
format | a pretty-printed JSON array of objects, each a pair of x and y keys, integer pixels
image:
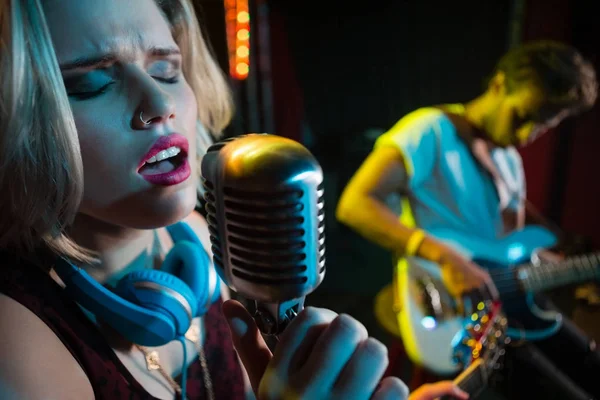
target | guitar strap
[
  {"x": 396, "y": 284},
  {"x": 481, "y": 150}
]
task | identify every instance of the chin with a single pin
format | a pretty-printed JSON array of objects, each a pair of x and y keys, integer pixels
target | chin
[
  {"x": 167, "y": 209},
  {"x": 149, "y": 209}
]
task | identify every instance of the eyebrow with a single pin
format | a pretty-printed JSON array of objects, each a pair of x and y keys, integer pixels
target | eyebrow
[{"x": 93, "y": 61}]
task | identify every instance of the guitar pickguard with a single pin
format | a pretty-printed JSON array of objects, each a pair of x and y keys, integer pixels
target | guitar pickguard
[{"x": 429, "y": 320}]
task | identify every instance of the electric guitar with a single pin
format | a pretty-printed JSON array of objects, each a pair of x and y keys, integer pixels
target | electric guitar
[
  {"x": 428, "y": 317},
  {"x": 479, "y": 348},
  {"x": 474, "y": 379}
]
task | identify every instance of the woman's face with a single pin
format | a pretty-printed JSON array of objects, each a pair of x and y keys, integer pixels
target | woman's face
[{"x": 134, "y": 111}]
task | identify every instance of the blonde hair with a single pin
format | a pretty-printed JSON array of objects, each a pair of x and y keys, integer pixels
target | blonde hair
[{"x": 41, "y": 172}]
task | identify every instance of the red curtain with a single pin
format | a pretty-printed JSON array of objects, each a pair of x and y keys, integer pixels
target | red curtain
[
  {"x": 288, "y": 108},
  {"x": 577, "y": 195}
]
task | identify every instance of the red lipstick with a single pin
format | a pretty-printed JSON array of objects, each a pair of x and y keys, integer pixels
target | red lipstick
[{"x": 178, "y": 168}]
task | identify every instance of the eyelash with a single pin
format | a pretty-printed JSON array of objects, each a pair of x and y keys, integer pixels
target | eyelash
[
  {"x": 89, "y": 95},
  {"x": 171, "y": 80},
  {"x": 104, "y": 89}
]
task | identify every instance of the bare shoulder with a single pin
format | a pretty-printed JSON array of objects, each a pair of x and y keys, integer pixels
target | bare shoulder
[
  {"x": 35, "y": 364},
  {"x": 382, "y": 173}
]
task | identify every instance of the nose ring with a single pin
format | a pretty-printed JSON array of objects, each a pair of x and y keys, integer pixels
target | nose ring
[{"x": 142, "y": 119}]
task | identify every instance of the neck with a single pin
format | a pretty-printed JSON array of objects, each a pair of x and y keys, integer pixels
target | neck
[
  {"x": 477, "y": 114},
  {"x": 116, "y": 247},
  {"x": 550, "y": 275}
]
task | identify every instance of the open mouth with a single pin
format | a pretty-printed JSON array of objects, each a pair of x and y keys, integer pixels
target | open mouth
[{"x": 163, "y": 162}]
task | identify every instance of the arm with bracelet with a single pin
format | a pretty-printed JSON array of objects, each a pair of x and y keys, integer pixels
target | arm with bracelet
[
  {"x": 414, "y": 242},
  {"x": 400, "y": 163}
]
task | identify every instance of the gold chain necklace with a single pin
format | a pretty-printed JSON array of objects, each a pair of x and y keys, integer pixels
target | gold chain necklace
[
  {"x": 153, "y": 363},
  {"x": 193, "y": 335}
]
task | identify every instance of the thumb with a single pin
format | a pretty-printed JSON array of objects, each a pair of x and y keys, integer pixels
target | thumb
[{"x": 248, "y": 341}]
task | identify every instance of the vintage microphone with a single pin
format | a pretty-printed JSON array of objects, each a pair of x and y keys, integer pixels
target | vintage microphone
[{"x": 264, "y": 204}]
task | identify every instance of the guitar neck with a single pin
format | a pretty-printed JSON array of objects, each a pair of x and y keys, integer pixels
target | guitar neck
[
  {"x": 555, "y": 274},
  {"x": 472, "y": 380}
]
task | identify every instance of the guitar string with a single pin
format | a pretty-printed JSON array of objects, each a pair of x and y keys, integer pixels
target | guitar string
[
  {"x": 507, "y": 283},
  {"x": 585, "y": 267}
]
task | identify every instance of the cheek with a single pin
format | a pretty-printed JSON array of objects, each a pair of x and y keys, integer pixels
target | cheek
[
  {"x": 527, "y": 132},
  {"x": 188, "y": 107},
  {"x": 504, "y": 120},
  {"x": 105, "y": 155},
  {"x": 96, "y": 143},
  {"x": 188, "y": 115}
]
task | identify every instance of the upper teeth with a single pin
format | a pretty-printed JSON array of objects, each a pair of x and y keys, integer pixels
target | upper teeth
[{"x": 162, "y": 155}]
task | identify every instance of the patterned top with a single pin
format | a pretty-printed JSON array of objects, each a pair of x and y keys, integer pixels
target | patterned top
[{"x": 36, "y": 290}]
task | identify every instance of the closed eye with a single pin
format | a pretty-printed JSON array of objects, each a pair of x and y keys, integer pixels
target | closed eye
[
  {"x": 171, "y": 80},
  {"x": 89, "y": 94}
]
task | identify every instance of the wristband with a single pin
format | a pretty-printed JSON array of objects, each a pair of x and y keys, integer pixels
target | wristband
[{"x": 414, "y": 242}]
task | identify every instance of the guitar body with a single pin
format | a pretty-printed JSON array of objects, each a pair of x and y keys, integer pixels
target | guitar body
[
  {"x": 527, "y": 319},
  {"x": 428, "y": 319}
]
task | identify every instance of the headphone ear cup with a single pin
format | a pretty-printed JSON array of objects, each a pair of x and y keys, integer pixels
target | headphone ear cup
[
  {"x": 163, "y": 293},
  {"x": 190, "y": 262},
  {"x": 138, "y": 324}
]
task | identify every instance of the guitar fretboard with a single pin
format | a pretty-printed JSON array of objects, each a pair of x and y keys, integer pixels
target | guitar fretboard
[
  {"x": 550, "y": 275},
  {"x": 472, "y": 380}
]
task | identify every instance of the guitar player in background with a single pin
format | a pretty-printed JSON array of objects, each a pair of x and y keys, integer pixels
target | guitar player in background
[{"x": 458, "y": 168}]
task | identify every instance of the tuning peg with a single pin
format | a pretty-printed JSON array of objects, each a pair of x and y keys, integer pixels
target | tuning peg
[
  {"x": 458, "y": 356},
  {"x": 458, "y": 362}
]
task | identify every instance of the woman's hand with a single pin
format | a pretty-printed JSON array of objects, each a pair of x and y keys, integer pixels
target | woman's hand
[
  {"x": 431, "y": 391},
  {"x": 321, "y": 355}
]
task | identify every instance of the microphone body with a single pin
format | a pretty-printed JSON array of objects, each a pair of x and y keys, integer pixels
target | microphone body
[{"x": 265, "y": 212}]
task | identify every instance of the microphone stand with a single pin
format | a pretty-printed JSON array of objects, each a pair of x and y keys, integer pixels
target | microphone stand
[{"x": 272, "y": 318}]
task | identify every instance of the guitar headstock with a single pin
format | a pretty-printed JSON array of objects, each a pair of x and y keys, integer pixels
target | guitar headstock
[{"x": 483, "y": 336}]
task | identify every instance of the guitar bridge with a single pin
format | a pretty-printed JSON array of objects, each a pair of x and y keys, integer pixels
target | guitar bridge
[{"x": 431, "y": 298}]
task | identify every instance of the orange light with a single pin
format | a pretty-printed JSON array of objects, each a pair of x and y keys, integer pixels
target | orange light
[
  {"x": 243, "y": 51},
  {"x": 237, "y": 19},
  {"x": 242, "y": 69},
  {"x": 230, "y": 15},
  {"x": 243, "y": 34},
  {"x": 243, "y": 17}
]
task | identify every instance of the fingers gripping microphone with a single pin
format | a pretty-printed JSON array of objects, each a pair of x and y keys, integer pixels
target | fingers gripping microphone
[{"x": 264, "y": 203}]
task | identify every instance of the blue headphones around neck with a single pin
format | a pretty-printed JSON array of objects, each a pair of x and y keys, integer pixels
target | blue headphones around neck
[{"x": 151, "y": 307}]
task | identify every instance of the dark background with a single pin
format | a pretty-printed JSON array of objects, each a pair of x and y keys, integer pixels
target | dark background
[{"x": 334, "y": 76}]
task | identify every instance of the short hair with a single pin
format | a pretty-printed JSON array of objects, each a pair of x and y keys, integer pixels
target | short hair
[
  {"x": 41, "y": 172},
  {"x": 566, "y": 77}
]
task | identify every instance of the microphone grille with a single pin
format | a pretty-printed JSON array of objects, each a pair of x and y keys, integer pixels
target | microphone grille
[
  {"x": 267, "y": 223},
  {"x": 219, "y": 145}
]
